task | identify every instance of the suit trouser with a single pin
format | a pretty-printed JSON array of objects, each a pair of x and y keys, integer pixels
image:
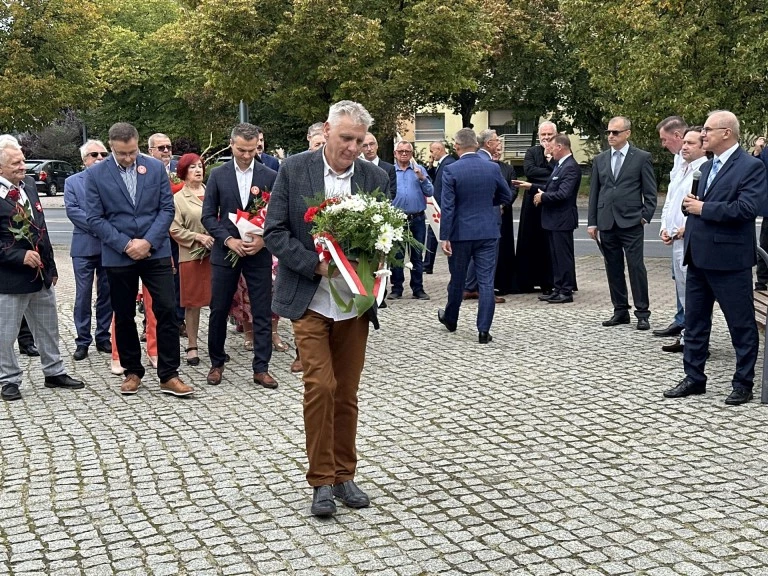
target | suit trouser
[
  {"x": 762, "y": 269},
  {"x": 679, "y": 273},
  {"x": 470, "y": 284},
  {"x": 563, "y": 261},
  {"x": 151, "y": 327},
  {"x": 157, "y": 276},
  {"x": 333, "y": 355},
  {"x": 733, "y": 291},
  {"x": 180, "y": 314},
  {"x": 483, "y": 253},
  {"x": 85, "y": 268},
  {"x": 224, "y": 281},
  {"x": 39, "y": 308},
  {"x": 617, "y": 242}
]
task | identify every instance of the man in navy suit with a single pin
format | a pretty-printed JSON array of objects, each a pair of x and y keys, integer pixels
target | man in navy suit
[
  {"x": 238, "y": 185},
  {"x": 268, "y": 160},
  {"x": 559, "y": 217},
  {"x": 129, "y": 206},
  {"x": 473, "y": 189},
  {"x": 371, "y": 153},
  {"x": 440, "y": 159},
  {"x": 86, "y": 260},
  {"x": 720, "y": 251}
]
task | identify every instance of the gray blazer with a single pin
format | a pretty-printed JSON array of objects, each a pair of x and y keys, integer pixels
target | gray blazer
[
  {"x": 288, "y": 237},
  {"x": 625, "y": 201}
]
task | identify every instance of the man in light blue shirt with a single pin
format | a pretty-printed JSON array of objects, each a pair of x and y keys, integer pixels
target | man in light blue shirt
[{"x": 412, "y": 186}]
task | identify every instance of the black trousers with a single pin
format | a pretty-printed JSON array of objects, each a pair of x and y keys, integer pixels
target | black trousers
[
  {"x": 223, "y": 287},
  {"x": 25, "y": 335},
  {"x": 563, "y": 261},
  {"x": 617, "y": 242},
  {"x": 157, "y": 276},
  {"x": 762, "y": 269}
]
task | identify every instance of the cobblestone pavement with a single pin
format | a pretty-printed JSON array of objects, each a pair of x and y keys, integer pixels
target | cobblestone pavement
[{"x": 548, "y": 451}]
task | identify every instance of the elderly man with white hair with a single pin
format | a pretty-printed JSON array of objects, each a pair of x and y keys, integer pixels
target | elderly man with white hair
[
  {"x": 28, "y": 276},
  {"x": 86, "y": 260}
]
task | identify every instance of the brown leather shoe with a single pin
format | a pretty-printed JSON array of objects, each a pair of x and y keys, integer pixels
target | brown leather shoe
[
  {"x": 264, "y": 379},
  {"x": 297, "y": 366},
  {"x": 471, "y": 295},
  {"x": 499, "y": 299},
  {"x": 176, "y": 387},
  {"x": 214, "y": 375},
  {"x": 130, "y": 385}
]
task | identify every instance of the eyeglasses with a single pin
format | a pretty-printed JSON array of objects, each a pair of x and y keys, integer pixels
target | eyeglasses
[
  {"x": 707, "y": 129},
  {"x": 615, "y": 132},
  {"x": 163, "y": 148},
  {"x": 403, "y": 151},
  {"x": 98, "y": 154}
]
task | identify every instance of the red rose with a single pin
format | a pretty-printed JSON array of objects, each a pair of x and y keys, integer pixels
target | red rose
[
  {"x": 309, "y": 215},
  {"x": 13, "y": 195},
  {"x": 265, "y": 196}
]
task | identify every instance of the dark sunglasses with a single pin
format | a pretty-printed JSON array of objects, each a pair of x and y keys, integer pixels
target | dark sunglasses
[
  {"x": 615, "y": 132},
  {"x": 163, "y": 148},
  {"x": 98, "y": 154}
]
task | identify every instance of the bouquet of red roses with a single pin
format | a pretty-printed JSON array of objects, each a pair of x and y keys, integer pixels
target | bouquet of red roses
[{"x": 251, "y": 222}]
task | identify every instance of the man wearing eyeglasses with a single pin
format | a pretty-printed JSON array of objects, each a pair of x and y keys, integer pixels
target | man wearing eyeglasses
[
  {"x": 371, "y": 153},
  {"x": 86, "y": 260},
  {"x": 720, "y": 251},
  {"x": 622, "y": 200}
]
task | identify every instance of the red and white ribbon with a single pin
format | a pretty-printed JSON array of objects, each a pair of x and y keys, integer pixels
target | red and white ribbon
[
  {"x": 432, "y": 213},
  {"x": 347, "y": 271}
]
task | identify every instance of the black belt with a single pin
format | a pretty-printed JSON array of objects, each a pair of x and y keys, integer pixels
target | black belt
[{"x": 414, "y": 215}]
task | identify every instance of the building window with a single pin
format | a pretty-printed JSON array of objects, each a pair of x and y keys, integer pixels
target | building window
[
  {"x": 504, "y": 123},
  {"x": 430, "y": 127}
]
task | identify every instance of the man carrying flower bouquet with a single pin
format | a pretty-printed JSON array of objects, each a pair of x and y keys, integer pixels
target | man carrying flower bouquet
[
  {"x": 28, "y": 276},
  {"x": 331, "y": 341}
]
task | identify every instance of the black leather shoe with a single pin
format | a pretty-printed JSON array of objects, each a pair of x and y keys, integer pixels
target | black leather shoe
[
  {"x": 643, "y": 324},
  {"x": 760, "y": 286},
  {"x": 427, "y": 270},
  {"x": 30, "y": 350},
  {"x": 441, "y": 318},
  {"x": 63, "y": 381},
  {"x": 739, "y": 396},
  {"x": 617, "y": 319},
  {"x": 685, "y": 388},
  {"x": 670, "y": 331},
  {"x": 548, "y": 297},
  {"x": 422, "y": 296},
  {"x": 561, "y": 299},
  {"x": 81, "y": 353},
  {"x": 349, "y": 493},
  {"x": 10, "y": 392},
  {"x": 395, "y": 296},
  {"x": 484, "y": 337},
  {"x": 322, "y": 502},
  {"x": 676, "y": 347},
  {"x": 105, "y": 347}
]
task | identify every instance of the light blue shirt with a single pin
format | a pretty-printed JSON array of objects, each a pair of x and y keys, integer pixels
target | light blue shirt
[
  {"x": 411, "y": 191},
  {"x": 129, "y": 178}
]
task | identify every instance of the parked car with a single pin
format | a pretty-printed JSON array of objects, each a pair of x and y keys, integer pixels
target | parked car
[{"x": 49, "y": 175}]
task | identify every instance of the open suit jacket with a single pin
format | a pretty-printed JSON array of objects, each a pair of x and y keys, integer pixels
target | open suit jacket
[
  {"x": 723, "y": 236},
  {"x": 625, "y": 201},
  {"x": 558, "y": 203},
  {"x": 116, "y": 220},
  {"x": 287, "y": 235},
  {"x": 437, "y": 181},
  {"x": 15, "y": 277},
  {"x": 84, "y": 241},
  {"x": 222, "y": 197}
]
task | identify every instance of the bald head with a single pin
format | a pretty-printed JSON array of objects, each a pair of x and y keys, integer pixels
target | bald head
[{"x": 720, "y": 132}]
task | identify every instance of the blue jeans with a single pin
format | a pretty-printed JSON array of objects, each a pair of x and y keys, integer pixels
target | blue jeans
[{"x": 418, "y": 227}]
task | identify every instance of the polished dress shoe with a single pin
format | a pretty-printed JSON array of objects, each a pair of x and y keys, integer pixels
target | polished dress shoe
[
  {"x": 130, "y": 385},
  {"x": 63, "y": 381},
  {"x": 105, "y": 347},
  {"x": 484, "y": 337},
  {"x": 81, "y": 353},
  {"x": 451, "y": 326},
  {"x": 264, "y": 379},
  {"x": 427, "y": 270},
  {"x": 296, "y": 366},
  {"x": 561, "y": 299},
  {"x": 617, "y": 319},
  {"x": 322, "y": 502},
  {"x": 739, "y": 396},
  {"x": 470, "y": 295},
  {"x": 421, "y": 296},
  {"x": 351, "y": 495},
  {"x": 30, "y": 350},
  {"x": 10, "y": 392},
  {"x": 685, "y": 388},
  {"x": 643, "y": 324},
  {"x": 395, "y": 296},
  {"x": 676, "y": 347},
  {"x": 547, "y": 297},
  {"x": 499, "y": 300},
  {"x": 670, "y": 331},
  {"x": 176, "y": 387},
  {"x": 214, "y": 375}
]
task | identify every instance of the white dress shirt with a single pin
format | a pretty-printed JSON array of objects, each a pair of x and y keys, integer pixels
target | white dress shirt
[
  {"x": 5, "y": 186},
  {"x": 244, "y": 180}
]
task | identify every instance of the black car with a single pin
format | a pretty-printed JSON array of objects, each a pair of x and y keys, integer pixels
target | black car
[{"x": 49, "y": 175}]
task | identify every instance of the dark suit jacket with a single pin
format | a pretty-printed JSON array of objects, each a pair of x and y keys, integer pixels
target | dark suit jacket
[
  {"x": 472, "y": 189},
  {"x": 723, "y": 236},
  {"x": 508, "y": 173},
  {"x": 558, "y": 203},
  {"x": 270, "y": 161},
  {"x": 84, "y": 241},
  {"x": 116, "y": 221},
  {"x": 626, "y": 201},
  {"x": 15, "y": 277},
  {"x": 437, "y": 181},
  {"x": 390, "y": 170},
  {"x": 222, "y": 197},
  {"x": 536, "y": 167},
  {"x": 287, "y": 235}
]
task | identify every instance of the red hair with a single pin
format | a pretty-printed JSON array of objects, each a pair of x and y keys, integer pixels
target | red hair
[{"x": 185, "y": 162}]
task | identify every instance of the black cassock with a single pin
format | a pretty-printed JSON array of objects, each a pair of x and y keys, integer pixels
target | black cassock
[{"x": 505, "y": 281}]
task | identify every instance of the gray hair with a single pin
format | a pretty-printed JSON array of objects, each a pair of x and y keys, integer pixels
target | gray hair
[
  {"x": 728, "y": 120},
  {"x": 123, "y": 132},
  {"x": 7, "y": 142},
  {"x": 88, "y": 144},
  {"x": 466, "y": 138},
  {"x": 561, "y": 139},
  {"x": 624, "y": 119},
  {"x": 315, "y": 129},
  {"x": 354, "y": 111},
  {"x": 672, "y": 123},
  {"x": 245, "y": 131},
  {"x": 547, "y": 123},
  {"x": 156, "y": 136},
  {"x": 484, "y": 136}
]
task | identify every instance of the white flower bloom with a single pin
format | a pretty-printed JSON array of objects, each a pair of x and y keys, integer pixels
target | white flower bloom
[
  {"x": 386, "y": 229},
  {"x": 397, "y": 236},
  {"x": 377, "y": 218}
]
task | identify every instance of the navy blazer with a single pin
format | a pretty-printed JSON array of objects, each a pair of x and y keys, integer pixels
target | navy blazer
[
  {"x": 472, "y": 187},
  {"x": 84, "y": 241},
  {"x": 438, "y": 179},
  {"x": 558, "y": 203},
  {"x": 116, "y": 221},
  {"x": 270, "y": 161},
  {"x": 222, "y": 197},
  {"x": 723, "y": 236},
  {"x": 390, "y": 170}
]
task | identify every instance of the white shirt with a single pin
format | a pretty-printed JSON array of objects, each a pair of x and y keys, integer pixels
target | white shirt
[
  {"x": 678, "y": 164},
  {"x": 672, "y": 217},
  {"x": 623, "y": 151},
  {"x": 5, "y": 186},
  {"x": 336, "y": 186},
  {"x": 244, "y": 180}
]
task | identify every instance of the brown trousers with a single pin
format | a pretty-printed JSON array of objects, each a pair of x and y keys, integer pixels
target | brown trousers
[{"x": 333, "y": 355}]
